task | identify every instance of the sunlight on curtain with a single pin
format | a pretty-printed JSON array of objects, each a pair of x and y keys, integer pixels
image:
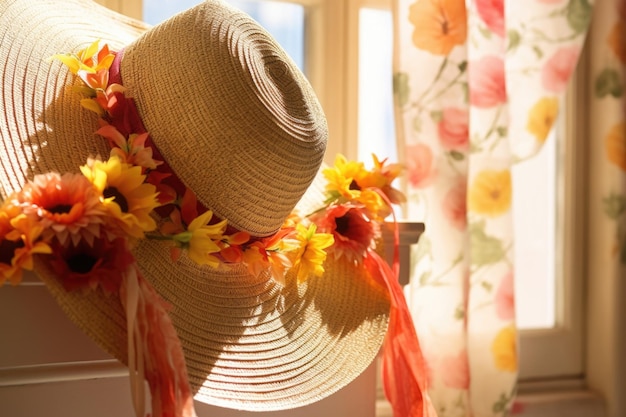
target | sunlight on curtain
[{"x": 477, "y": 89}]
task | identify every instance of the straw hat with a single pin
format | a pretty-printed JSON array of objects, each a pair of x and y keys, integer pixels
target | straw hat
[{"x": 240, "y": 126}]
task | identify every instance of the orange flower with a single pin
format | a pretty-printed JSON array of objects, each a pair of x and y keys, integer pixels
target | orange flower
[
  {"x": 490, "y": 192},
  {"x": 616, "y": 40},
  {"x": 67, "y": 206},
  {"x": 440, "y": 25},
  {"x": 615, "y": 145},
  {"x": 19, "y": 241}
]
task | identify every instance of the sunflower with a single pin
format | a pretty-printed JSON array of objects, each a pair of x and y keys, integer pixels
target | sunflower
[
  {"x": 68, "y": 206},
  {"x": 127, "y": 198}
]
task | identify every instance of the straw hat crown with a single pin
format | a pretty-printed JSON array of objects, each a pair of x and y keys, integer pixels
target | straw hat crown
[{"x": 252, "y": 145}]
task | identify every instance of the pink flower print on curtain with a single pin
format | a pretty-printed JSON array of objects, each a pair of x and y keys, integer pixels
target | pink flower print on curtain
[
  {"x": 419, "y": 165},
  {"x": 486, "y": 80},
  {"x": 491, "y": 13},
  {"x": 453, "y": 129},
  {"x": 558, "y": 69}
]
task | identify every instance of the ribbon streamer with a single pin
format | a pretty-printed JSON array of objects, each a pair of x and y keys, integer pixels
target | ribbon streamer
[
  {"x": 154, "y": 351},
  {"x": 403, "y": 366}
]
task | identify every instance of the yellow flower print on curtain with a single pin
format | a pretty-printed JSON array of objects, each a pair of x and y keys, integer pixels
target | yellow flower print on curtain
[
  {"x": 541, "y": 117},
  {"x": 490, "y": 193},
  {"x": 504, "y": 349},
  {"x": 476, "y": 88}
]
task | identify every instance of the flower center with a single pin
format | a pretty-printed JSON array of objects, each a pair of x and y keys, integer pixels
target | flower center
[
  {"x": 7, "y": 250},
  {"x": 60, "y": 209},
  {"x": 117, "y": 197},
  {"x": 81, "y": 263},
  {"x": 342, "y": 225},
  {"x": 354, "y": 186}
]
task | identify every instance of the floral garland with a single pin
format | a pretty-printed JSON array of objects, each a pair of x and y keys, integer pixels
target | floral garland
[
  {"x": 114, "y": 199},
  {"x": 86, "y": 224}
]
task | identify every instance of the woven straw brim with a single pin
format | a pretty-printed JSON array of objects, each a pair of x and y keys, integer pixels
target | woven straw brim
[{"x": 249, "y": 343}]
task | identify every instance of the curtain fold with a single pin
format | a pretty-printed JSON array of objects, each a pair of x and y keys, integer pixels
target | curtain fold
[{"x": 477, "y": 88}]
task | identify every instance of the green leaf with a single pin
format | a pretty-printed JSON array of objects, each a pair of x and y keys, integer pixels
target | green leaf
[
  {"x": 422, "y": 248},
  {"x": 578, "y": 14},
  {"x": 462, "y": 66},
  {"x": 614, "y": 205},
  {"x": 401, "y": 87},
  {"x": 436, "y": 115},
  {"x": 608, "y": 82},
  {"x": 502, "y": 131},
  {"x": 514, "y": 39},
  {"x": 487, "y": 286},
  {"x": 485, "y": 249},
  {"x": 457, "y": 156},
  {"x": 459, "y": 313},
  {"x": 485, "y": 31},
  {"x": 538, "y": 51},
  {"x": 417, "y": 123},
  {"x": 423, "y": 280}
]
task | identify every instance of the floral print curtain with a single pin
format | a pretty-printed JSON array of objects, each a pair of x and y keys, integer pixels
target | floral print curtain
[{"x": 477, "y": 86}]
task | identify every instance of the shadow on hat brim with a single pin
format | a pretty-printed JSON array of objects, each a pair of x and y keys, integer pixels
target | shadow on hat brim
[{"x": 249, "y": 343}]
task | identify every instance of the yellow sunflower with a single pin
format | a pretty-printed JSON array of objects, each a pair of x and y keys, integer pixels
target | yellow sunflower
[
  {"x": 490, "y": 192},
  {"x": 128, "y": 199},
  {"x": 343, "y": 178}
]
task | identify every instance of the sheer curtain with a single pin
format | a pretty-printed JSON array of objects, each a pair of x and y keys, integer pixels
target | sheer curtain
[{"x": 478, "y": 86}]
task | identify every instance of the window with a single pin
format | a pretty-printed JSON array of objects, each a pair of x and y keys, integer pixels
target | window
[{"x": 342, "y": 46}]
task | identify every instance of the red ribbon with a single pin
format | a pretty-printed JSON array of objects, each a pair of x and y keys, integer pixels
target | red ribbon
[{"x": 403, "y": 366}]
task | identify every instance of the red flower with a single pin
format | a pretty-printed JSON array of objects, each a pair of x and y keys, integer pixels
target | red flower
[
  {"x": 85, "y": 267},
  {"x": 492, "y": 13},
  {"x": 453, "y": 129},
  {"x": 486, "y": 82},
  {"x": 123, "y": 113},
  {"x": 351, "y": 229},
  {"x": 558, "y": 69}
]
